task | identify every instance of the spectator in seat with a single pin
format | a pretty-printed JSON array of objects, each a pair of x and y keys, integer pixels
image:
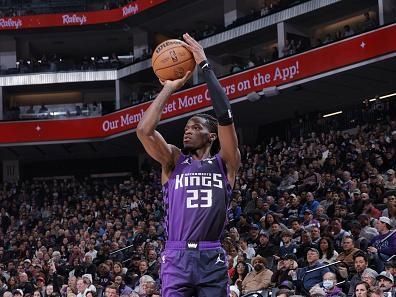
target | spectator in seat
[
  {"x": 390, "y": 183},
  {"x": 348, "y": 252},
  {"x": 285, "y": 264},
  {"x": 230, "y": 266},
  {"x": 383, "y": 246},
  {"x": 245, "y": 249},
  {"x": 330, "y": 286},
  {"x": 361, "y": 289},
  {"x": 242, "y": 269},
  {"x": 17, "y": 293},
  {"x": 293, "y": 209},
  {"x": 265, "y": 248},
  {"x": 111, "y": 291},
  {"x": 370, "y": 276},
  {"x": 153, "y": 263},
  {"x": 366, "y": 231},
  {"x": 348, "y": 31},
  {"x": 386, "y": 283},
  {"x": 123, "y": 289},
  {"x": 287, "y": 246},
  {"x": 87, "y": 278},
  {"x": 309, "y": 222},
  {"x": 326, "y": 250},
  {"x": 304, "y": 281},
  {"x": 390, "y": 211},
  {"x": 82, "y": 288},
  {"x": 24, "y": 284},
  {"x": 243, "y": 225},
  {"x": 3, "y": 285},
  {"x": 234, "y": 212},
  {"x": 305, "y": 245},
  {"x": 253, "y": 238},
  {"x": 338, "y": 233},
  {"x": 311, "y": 204},
  {"x": 259, "y": 278},
  {"x": 370, "y": 209},
  {"x": 145, "y": 284},
  {"x": 368, "y": 22},
  {"x": 296, "y": 229},
  {"x": 275, "y": 233},
  {"x": 360, "y": 265}
]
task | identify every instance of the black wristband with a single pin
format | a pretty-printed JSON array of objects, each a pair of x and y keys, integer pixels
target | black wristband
[{"x": 204, "y": 64}]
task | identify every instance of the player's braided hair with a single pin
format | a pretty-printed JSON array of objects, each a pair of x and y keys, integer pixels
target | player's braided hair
[{"x": 212, "y": 125}]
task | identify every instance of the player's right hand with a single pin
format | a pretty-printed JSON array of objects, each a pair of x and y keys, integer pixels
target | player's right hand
[{"x": 194, "y": 47}]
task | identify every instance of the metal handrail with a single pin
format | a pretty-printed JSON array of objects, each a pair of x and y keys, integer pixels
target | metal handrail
[{"x": 119, "y": 250}]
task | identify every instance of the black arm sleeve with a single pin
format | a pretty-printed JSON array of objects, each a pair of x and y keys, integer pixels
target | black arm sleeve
[{"x": 220, "y": 101}]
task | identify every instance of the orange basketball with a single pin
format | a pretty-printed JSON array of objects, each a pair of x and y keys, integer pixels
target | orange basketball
[{"x": 171, "y": 60}]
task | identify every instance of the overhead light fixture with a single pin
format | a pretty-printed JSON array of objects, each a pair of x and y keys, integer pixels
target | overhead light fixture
[
  {"x": 387, "y": 96},
  {"x": 332, "y": 114},
  {"x": 382, "y": 97}
]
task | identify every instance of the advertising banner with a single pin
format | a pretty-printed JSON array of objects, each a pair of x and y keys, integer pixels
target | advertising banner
[
  {"x": 77, "y": 18},
  {"x": 318, "y": 61}
]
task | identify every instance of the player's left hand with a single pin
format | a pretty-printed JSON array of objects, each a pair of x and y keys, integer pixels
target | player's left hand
[
  {"x": 193, "y": 46},
  {"x": 176, "y": 84}
]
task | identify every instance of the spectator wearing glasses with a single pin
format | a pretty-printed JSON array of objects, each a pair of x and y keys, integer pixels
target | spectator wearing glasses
[
  {"x": 370, "y": 276},
  {"x": 303, "y": 280}
]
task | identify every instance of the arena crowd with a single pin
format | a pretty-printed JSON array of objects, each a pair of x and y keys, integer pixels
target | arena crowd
[{"x": 314, "y": 216}]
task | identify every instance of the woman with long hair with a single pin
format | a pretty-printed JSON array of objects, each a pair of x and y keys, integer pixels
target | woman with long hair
[
  {"x": 242, "y": 269},
  {"x": 12, "y": 283},
  {"x": 361, "y": 289},
  {"x": 326, "y": 250},
  {"x": 117, "y": 269},
  {"x": 268, "y": 221}
]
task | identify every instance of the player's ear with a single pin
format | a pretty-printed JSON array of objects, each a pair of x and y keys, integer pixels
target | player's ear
[{"x": 212, "y": 137}]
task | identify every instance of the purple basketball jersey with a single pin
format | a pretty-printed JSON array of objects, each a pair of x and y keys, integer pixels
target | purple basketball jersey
[{"x": 196, "y": 199}]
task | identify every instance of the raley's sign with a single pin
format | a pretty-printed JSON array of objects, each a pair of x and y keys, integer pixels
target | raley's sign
[
  {"x": 314, "y": 62},
  {"x": 77, "y": 18}
]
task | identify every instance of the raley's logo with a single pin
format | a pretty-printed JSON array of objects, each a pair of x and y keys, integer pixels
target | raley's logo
[
  {"x": 165, "y": 44},
  {"x": 74, "y": 19},
  {"x": 10, "y": 23},
  {"x": 130, "y": 9}
]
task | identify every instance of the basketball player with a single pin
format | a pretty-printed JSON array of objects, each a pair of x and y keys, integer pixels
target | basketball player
[{"x": 197, "y": 183}]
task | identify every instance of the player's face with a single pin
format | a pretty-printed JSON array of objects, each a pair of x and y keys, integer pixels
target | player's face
[{"x": 196, "y": 134}]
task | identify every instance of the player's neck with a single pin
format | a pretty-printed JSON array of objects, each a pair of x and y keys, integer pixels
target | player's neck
[{"x": 201, "y": 154}]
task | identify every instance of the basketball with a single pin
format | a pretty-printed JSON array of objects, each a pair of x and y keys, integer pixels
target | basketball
[{"x": 171, "y": 60}]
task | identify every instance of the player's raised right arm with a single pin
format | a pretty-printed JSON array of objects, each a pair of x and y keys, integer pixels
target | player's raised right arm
[{"x": 153, "y": 142}]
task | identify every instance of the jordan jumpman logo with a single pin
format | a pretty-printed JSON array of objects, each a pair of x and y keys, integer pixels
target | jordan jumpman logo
[{"x": 219, "y": 260}]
